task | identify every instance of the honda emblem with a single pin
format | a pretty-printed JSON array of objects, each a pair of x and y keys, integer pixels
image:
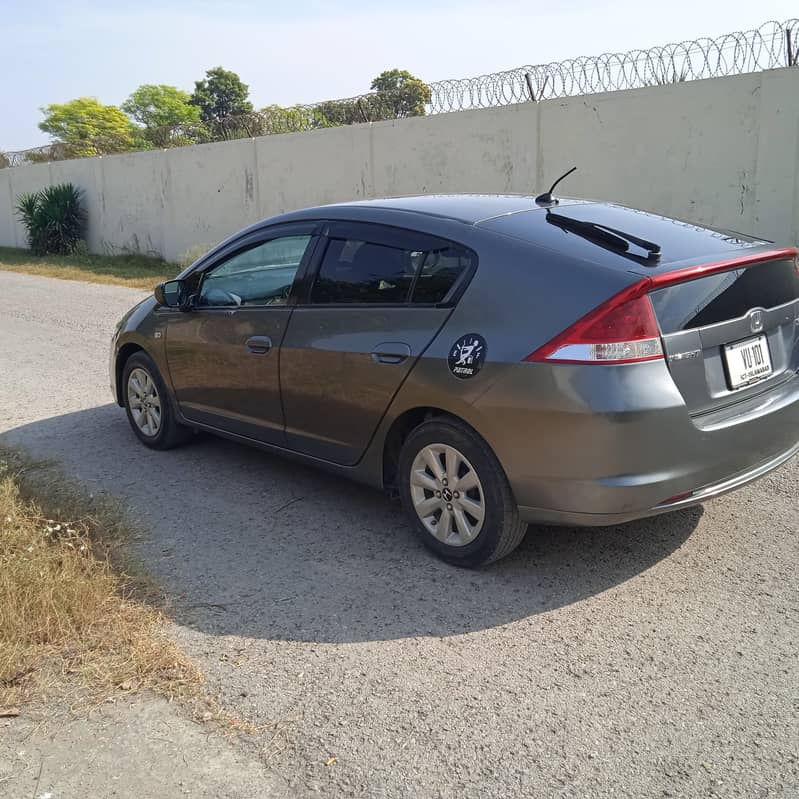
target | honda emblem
[{"x": 756, "y": 321}]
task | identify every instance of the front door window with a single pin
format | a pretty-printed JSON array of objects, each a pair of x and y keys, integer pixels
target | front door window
[{"x": 261, "y": 275}]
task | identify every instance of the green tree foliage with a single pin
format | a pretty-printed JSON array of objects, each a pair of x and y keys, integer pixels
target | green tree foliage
[
  {"x": 54, "y": 219},
  {"x": 154, "y": 106},
  {"x": 278, "y": 119},
  {"x": 221, "y": 94},
  {"x": 166, "y": 112},
  {"x": 342, "y": 112},
  {"x": 296, "y": 118},
  {"x": 86, "y": 127},
  {"x": 397, "y": 94},
  {"x": 401, "y": 94},
  {"x": 218, "y": 109}
]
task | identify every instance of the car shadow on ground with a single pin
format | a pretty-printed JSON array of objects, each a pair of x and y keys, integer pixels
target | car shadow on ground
[{"x": 251, "y": 544}]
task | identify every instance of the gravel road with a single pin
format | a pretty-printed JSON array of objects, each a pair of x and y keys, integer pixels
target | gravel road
[
  {"x": 137, "y": 748},
  {"x": 657, "y": 658}
]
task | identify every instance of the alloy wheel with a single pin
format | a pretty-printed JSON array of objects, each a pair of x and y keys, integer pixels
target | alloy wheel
[
  {"x": 144, "y": 402},
  {"x": 447, "y": 495}
]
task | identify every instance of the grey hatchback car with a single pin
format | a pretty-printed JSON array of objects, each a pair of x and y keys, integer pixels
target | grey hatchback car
[{"x": 496, "y": 360}]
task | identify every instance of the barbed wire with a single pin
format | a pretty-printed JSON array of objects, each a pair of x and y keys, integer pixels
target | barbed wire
[{"x": 772, "y": 45}]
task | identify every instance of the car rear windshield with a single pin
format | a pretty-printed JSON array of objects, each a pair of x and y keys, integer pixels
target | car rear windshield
[
  {"x": 725, "y": 295},
  {"x": 679, "y": 241}
]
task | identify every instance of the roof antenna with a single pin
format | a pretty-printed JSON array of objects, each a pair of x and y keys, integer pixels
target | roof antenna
[{"x": 546, "y": 198}]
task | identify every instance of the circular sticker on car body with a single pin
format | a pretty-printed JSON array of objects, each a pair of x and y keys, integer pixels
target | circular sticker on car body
[{"x": 466, "y": 356}]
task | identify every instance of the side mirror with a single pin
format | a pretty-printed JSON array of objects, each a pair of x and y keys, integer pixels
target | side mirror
[{"x": 172, "y": 294}]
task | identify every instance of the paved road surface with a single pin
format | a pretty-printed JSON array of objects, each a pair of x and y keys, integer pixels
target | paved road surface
[{"x": 653, "y": 659}]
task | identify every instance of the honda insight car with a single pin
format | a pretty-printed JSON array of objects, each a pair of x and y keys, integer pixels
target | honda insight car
[{"x": 496, "y": 360}]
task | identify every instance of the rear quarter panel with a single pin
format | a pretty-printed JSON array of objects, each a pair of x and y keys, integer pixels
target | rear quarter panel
[{"x": 518, "y": 299}]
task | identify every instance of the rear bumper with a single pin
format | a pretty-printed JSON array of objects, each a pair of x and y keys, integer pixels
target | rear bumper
[
  {"x": 603, "y": 445},
  {"x": 696, "y": 497}
]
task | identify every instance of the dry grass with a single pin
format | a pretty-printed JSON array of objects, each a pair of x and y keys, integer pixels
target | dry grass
[
  {"x": 135, "y": 271},
  {"x": 72, "y": 626}
]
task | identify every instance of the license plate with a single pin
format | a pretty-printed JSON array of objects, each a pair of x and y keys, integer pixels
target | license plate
[{"x": 747, "y": 361}]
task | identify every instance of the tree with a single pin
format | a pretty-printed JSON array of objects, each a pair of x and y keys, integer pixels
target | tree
[
  {"x": 160, "y": 106},
  {"x": 400, "y": 94},
  {"x": 221, "y": 94},
  {"x": 278, "y": 119},
  {"x": 86, "y": 127},
  {"x": 163, "y": 110},
  {"x": 341, "y": 112}
]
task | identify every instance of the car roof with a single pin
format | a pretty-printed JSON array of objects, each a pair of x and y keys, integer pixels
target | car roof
[
  {"x": 468, "y": 208},
  {"x": 518, "y": 216}
]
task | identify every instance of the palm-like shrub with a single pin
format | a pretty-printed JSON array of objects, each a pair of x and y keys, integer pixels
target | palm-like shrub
[
  {"x": 27, "y": 207},
  {"x": 53, "y": 218}
]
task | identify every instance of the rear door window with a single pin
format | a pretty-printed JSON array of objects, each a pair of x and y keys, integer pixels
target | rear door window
[
  {"x": 354, "y": 271},
  {"x": 396, "y": 268}
]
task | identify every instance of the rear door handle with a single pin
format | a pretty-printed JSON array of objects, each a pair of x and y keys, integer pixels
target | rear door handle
[
  {"x": 259, "y": 345},
  {"x": 391, "y": 352}
]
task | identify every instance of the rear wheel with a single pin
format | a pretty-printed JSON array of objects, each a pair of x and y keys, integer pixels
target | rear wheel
[
  {"x": 457, "y": 495},
  {"x": 148, "y": 405}
]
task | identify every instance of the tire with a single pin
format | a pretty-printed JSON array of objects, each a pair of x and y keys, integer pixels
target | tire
[
  {"x": 467, "y": 537},
  {"x": 138, "y": 393}
]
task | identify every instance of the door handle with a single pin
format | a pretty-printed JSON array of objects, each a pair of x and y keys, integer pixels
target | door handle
[
  {"x": 259, "y": 345},
  {"x": 391, "y": 352}
]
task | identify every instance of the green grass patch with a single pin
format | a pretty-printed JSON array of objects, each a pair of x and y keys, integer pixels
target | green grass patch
[{"x": 135, "y": 271}]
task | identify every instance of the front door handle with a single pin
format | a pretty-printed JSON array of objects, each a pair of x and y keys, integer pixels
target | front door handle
[
  {"x": 391, "y": 352},
  {"x": 259, "y": 345}
]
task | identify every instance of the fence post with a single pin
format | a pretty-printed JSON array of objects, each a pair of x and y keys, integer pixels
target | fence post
[
  {"x": 530, "y": 86},
  {"x": 791, "y": 59}
]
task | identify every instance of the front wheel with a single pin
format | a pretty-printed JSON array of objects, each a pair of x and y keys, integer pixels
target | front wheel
[
  {"x": 456, "y": 493},
  {"x": 148, "y": 406}
]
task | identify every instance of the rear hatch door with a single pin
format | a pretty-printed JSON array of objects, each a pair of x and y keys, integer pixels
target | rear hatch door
[
  {"x": 730, "y": 333},
  {"x": 727, "y": 304}
]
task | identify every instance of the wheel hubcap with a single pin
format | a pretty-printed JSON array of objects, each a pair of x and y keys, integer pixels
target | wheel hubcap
[
  {"x": 447, "y": 495},
  {"x": 144, "y": 402}
]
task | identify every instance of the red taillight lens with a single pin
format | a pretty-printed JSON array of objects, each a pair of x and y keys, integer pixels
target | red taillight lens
[{"x": 621, "y": 330}]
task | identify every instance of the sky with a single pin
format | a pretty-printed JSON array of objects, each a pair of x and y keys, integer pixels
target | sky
[{"x": 300, "y": 52}]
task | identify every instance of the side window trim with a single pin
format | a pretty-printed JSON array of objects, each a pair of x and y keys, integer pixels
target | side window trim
[
  {"x": 389, "y": 236},
  {"x": 385, "y": 235},
  {"x": 305, "y": 282},
  {"x": 256, "y": 239}
]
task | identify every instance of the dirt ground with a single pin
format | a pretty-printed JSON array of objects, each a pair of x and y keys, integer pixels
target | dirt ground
[{"x": 653, "y": 659}]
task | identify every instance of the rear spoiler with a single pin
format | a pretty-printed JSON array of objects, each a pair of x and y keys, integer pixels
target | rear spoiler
[{"x": 700, "y": 270}]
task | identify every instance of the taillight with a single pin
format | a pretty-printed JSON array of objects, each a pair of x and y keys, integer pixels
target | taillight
[{"x": 621, "y": 330}]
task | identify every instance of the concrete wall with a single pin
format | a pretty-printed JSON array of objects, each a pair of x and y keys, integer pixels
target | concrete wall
[{"x": 723, "y": 152}]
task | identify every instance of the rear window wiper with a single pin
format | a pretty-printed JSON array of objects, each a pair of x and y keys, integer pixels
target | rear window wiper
[{"x": 603, "y": 235}]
